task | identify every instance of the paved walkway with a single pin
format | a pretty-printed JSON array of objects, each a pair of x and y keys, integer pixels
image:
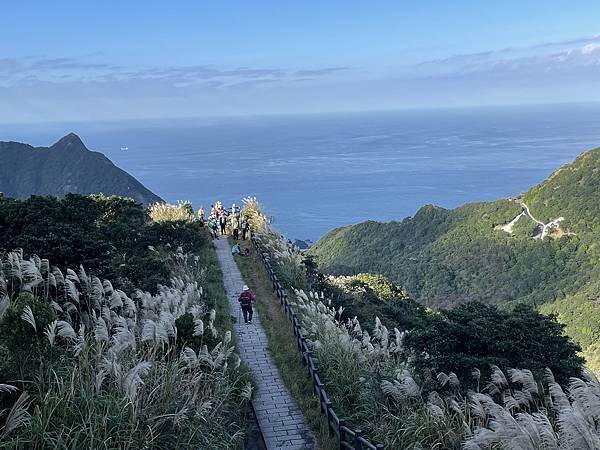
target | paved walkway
[{"x": 280, "y": 420}]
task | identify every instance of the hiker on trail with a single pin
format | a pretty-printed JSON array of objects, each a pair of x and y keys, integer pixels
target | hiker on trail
[
  {"x": 223, "y": 223},
  {"x": 235, "y": 225},
  {"x": 235, "y": 250},
  {"x": 212, "y": 224},
  {"x": 201, "y": 214},
  {"x": 245, "y": 228},
  {"x": 246, "y": 300}
]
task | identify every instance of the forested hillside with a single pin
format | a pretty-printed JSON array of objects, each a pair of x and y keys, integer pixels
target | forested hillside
[{"x": 539, "y": 248}]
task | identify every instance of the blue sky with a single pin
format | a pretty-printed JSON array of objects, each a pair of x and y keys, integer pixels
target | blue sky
[{"x": 67, "y": 60}]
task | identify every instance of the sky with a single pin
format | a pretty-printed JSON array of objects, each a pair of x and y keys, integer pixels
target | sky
[{"x": 109, "y": 60}]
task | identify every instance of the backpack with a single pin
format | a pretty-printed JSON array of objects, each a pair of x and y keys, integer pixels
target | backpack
[{"x": 245, "y": 299}]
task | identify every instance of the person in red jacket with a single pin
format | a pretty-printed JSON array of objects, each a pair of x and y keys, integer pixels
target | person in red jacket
[{"x": 246, "y": 300}]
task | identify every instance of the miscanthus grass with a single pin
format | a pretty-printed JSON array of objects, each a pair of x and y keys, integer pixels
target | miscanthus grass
[
  {"x": 125, "y": 378},
  {"x": 371, "y": 381},
  {"x": 286, "y": 259},
  {"x": 165, "y": 212}
]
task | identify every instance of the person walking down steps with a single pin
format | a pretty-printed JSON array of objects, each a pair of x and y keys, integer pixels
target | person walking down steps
[{"x": 246, "y": 300}]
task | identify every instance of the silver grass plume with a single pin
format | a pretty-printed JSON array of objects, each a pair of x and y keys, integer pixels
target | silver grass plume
[
  {"x": 65, "y": 330},
  {"x": 80, "y": 342},
  {"x": 123, "y": 337},
  {"x": 72, "y": 292},
  {"x": 108, "y": 288},
  {"x": 51, "y": 280},
  {"x": 525, "y": 379},
  {"x": 402, "y": 388},
  {"x": 13, "y": 264},
  {"x": 31, "y": 275},
  {"x": 101, "y": 331},
  {"x": 133, "y": 379},
  {"x": 99, "y": 379},
  {"x": 115, "y": 300},
  {"x": 4, "y": 304},
  {"x": 59, "y": 278},
  {"x": 84, "y": 280},
  {"x": 198, "y": 327},
  {"x": 8, "y": 388},
  {"x": 189, "y": 357},
  {"x": 576, "y": 432},
  {"x": 50, "y": 332},
  {"x": 247, "y": 391},
  {"x": 17, "y": 416},
  {"x": 498, "y": 381},
  {"x": 3, "y": 286},
  {"x": 559, "y": 399},
  {"x": 96, "y": 292},
  {"x": 71, "y": 275},
  {"x": 27, "y": 316}
]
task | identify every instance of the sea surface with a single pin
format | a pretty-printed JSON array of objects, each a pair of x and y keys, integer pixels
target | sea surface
[{"x": 317, "y": 172}]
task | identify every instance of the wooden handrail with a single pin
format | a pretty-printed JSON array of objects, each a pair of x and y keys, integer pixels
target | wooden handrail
[{"x": 347, "y": 437}]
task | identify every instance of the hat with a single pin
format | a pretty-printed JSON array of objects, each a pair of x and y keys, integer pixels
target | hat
[{"x": 245, "y": 288}]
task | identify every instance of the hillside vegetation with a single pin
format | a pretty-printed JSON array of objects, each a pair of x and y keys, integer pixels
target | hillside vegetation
[
  {"x": 447, "y": 257},
  {"x": 65, "y": 167},
  {"x": 476, "y": 377},
  {"x": 115, "y": 330}
]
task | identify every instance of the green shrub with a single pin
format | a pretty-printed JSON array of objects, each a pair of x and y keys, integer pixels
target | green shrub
[
  {"x": 381, "y": 286},
  {"x": 25, "y": 348},
  {"x": 113, "y": 237},
  {"x": 475, "y": 335}
]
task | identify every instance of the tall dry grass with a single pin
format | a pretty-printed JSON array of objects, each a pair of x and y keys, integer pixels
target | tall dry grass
[
  {"x": 124, "y": 379},
  {"x": 166, "y": 212}
]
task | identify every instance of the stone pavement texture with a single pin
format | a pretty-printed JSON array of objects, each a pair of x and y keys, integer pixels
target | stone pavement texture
[{"x": 280, "y": 420}]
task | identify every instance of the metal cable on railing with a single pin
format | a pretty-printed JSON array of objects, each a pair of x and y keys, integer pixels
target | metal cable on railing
[{"x": 346, "y": 437}]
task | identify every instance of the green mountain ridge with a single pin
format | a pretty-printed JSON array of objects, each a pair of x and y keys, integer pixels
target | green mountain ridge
[
  {"x": 445, "y": 257},
  {"x": 65, "y": 167}
]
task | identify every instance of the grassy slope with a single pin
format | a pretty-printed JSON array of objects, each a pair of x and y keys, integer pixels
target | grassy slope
[
  {"x": 443, "y": 257},
  {"x": 282, "y": 344}
]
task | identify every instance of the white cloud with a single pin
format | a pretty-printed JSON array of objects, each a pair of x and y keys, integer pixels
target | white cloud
[
  {"x": 87, "y": 88},
  {"x": 590, "y": 48}
]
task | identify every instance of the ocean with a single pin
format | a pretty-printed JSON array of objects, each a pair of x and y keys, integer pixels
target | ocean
[{"x": 313, "y": 173}]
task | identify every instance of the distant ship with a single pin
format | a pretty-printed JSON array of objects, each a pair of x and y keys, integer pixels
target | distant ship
[{"x": 124, "y": 148}]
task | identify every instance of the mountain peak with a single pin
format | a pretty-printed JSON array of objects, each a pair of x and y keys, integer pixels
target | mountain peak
[
  {"x": 67, "y": 166},
  {"x": 70, "y": 141}
]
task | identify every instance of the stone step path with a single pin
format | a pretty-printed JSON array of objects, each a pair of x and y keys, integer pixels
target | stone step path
[{"x": 280, "y": 420}]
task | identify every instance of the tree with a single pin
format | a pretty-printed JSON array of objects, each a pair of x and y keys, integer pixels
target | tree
[{"x": 475, "y": 335}]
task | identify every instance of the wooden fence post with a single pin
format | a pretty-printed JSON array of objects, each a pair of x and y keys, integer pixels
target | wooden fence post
[
  {"x": 328, "y": 408},
  {"x": 315, "y": 371},
  {"x": 341, "y": 432},
  {"x": 357, "y": 442},
  {"x": 306, "y": 359}
]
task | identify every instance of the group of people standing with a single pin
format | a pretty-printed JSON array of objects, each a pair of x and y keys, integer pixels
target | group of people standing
[{"x": 222, "y": 221}]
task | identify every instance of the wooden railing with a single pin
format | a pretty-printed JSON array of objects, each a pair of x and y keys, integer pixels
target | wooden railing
[{"x": 346, "y": 436}]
